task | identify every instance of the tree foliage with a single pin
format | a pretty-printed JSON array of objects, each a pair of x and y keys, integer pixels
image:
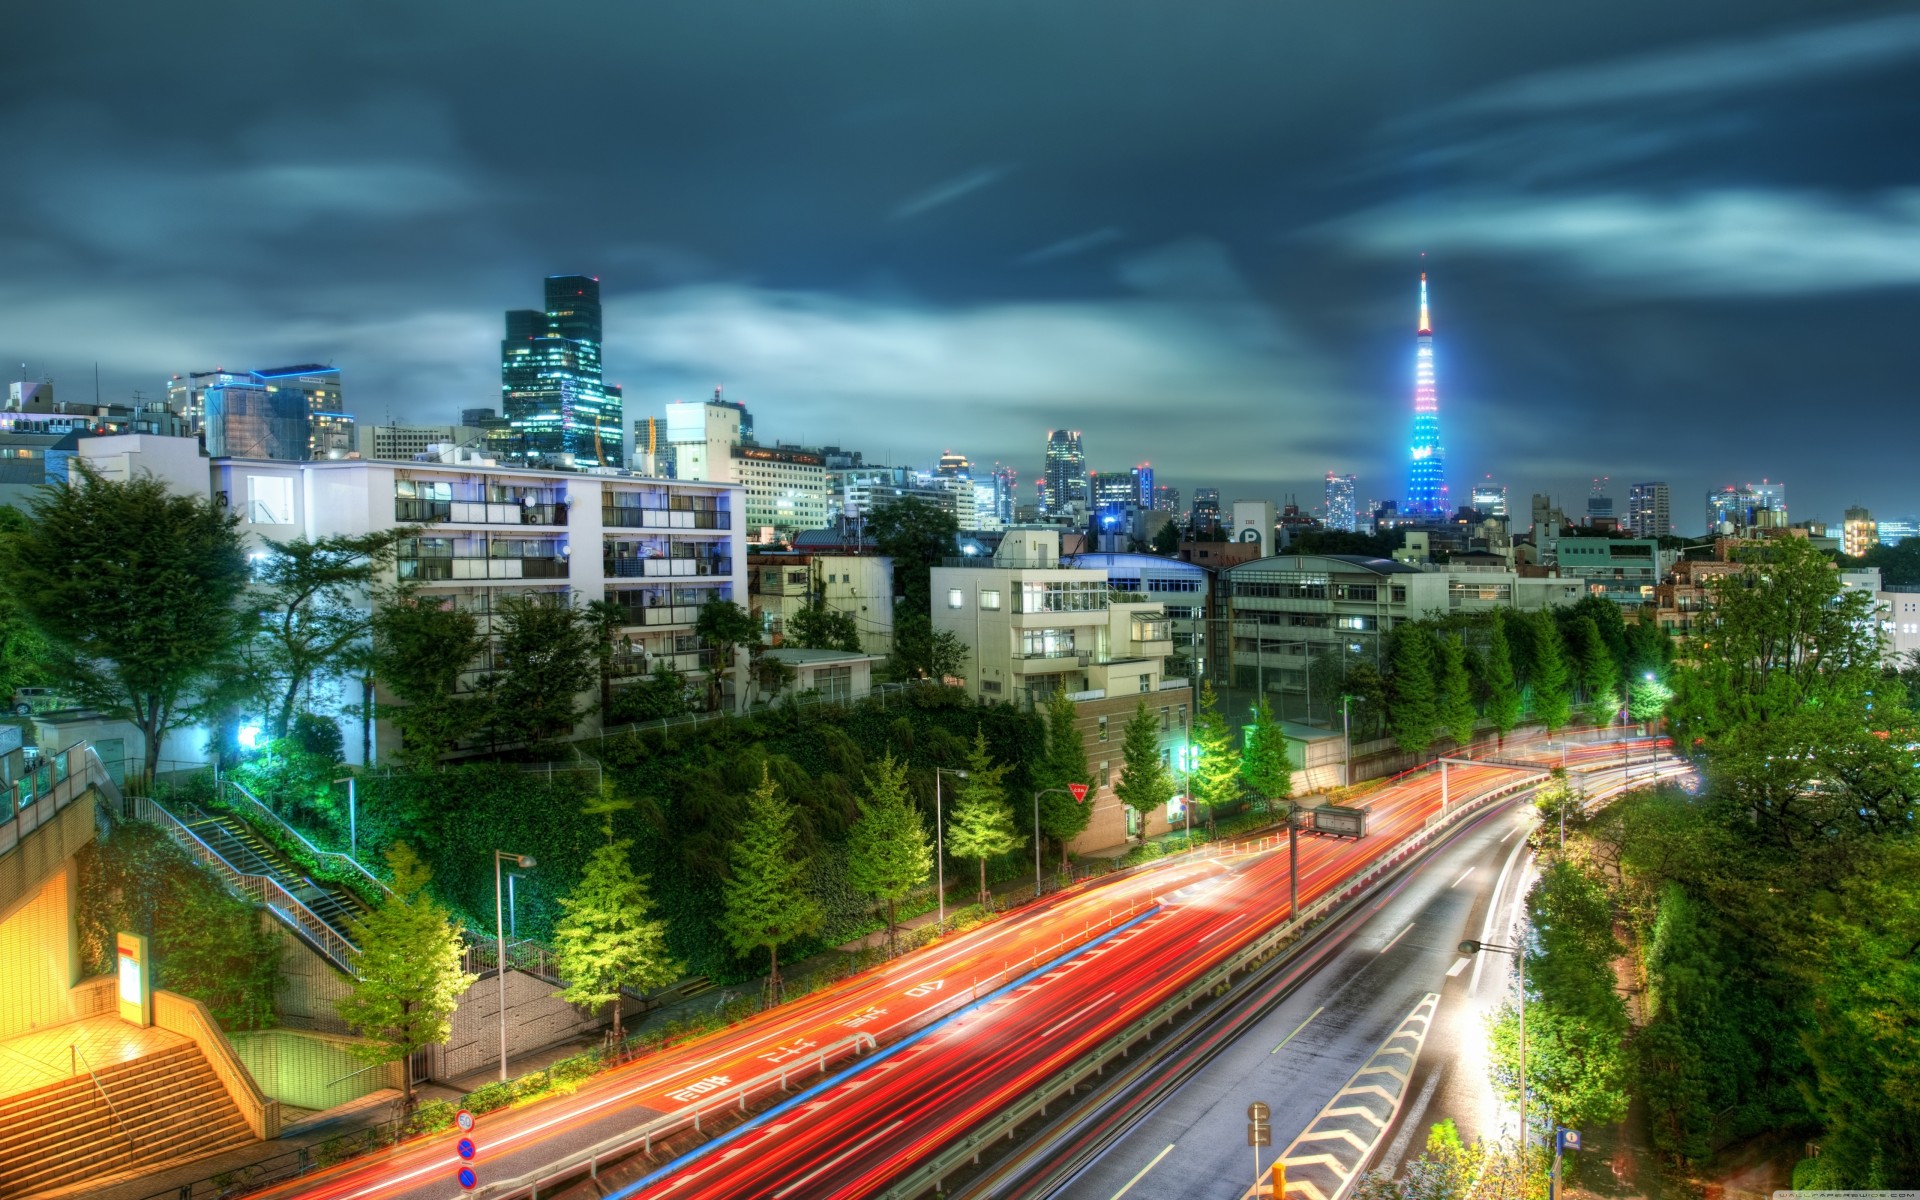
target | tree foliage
[
  {"x": 420, "y": 647},
  {"x": 545, "y": 652},
  {"x": 608, "y": 941},
  {"x": 888, "y": 854},
  {"x": 1062, "y": 818},
  {"x": 315, "y": 605},
  {"x": 817, "y": 627},
  {"x": 922, "y": 652},
  {"x": 1215, "y": 767},
  {"x": 916, "y": 534},
  {"x": 766, "y": 902},
  {"x": 1454, "y": 702},
  {"x": 1145, "y": 783},
  {"x": 1265, "y": 769},
  {"x": 1502, "y": 691},
  {"x": 1415, "y": 713},
  {"x": 980, "y": 824}
]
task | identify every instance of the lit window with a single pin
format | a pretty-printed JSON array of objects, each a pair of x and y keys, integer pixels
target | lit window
[
  {"x": 989, "y": 599},
  {"x": 955, "y": 598},
  {"x": 1103, "y": 729}
]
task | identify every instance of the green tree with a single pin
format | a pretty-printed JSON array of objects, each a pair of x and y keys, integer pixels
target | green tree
[
  {"x": 887, "y": 850},
  {"x": 765, "y": 901},
  {"x": 1551, "y": 679},
  {"x": 313, "y": 598},
  {"x": 1502, "y": 691},
  {"x": 817, "y": 627},
  {"x": 1413, "y": 712},
  {"x": 420, "y": 647},
  {"x": 1215, "y": 767},
  {"x": 1455, "y": 700},
  {"x": 409, "y": 977},
  {"x": 980, "y": 824},
  {"x": 1265, "y": 769},
  {"x": 607, "y": 939},
  {"x": 136, "y": 590},
  {"x": 916, "y": 534},
  {"x": 723, "y": 626},
  {"x": 545, "y": 652},
  {"x": 922, "y": 652},
  {"x": 662, "y": 694},
  {"x": 1166, "y": 539},
  {"x": 1145, "y": 782},
  {"x": 23, "y": 652},
  {"x": 605, "y": 618},
  {"x": 1062, "y": 818}
]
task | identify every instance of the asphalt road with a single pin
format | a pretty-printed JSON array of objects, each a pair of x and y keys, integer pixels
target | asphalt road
[{"x": 1302, "y": 1053}]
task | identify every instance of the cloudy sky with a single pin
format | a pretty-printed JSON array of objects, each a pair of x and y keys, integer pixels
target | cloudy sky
[{"x": 1670, "y": 241}]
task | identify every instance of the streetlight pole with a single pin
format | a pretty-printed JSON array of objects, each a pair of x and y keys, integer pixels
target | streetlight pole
[
  {"x": 353, "y": 820},
  {"x": 1473, "y": 946},
  {"x": 1346, "y": 735},
  {"x": 525, "y": 863},
  {"x": 940, "y": 842}
]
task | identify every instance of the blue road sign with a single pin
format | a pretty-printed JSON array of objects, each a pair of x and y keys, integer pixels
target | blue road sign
[
  {"x": 466, "y": 1148},
  {"x": 1569, "y": 1139},
  {"x": 467, "y": 1178}
]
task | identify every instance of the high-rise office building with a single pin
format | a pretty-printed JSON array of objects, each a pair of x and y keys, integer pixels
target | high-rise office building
[
  {"x": 1166, "y": 498},
  {"x": 288, "y": 413},
  {"x": 1342, "y": 513},
  {"x": 1489, "y": 499},
  {"x": 1206, "y": 512},
  {"x": 1760, "y": 505},
  {"x": 954, "y": 466},
  {"x": 1650, "y": 510},
  {"x": 1143, "y": 486},
  {"x": 552, "y": 393},
  {"x": 1858, "y": 532},
  {"x": 1892, "y": 533},
  {"x": 1116, "y": 495},
  {"x": 1065, "y": 481},
  {"x": 1426, "y": 473},
  {"x": 1599, "y": 501}
]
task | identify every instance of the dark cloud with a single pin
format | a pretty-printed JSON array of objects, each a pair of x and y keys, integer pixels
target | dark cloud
[{"x": 1672, "y": 241}]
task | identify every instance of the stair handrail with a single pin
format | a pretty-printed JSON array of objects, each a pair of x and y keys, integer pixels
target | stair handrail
[
  {"x": 133, "y": 1147},
  {"x": 317, "y": 852},
  {"x": 270, "y": 892}
]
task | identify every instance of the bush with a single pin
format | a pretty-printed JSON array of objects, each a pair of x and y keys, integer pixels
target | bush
[
  {"x": 431, "y": 1117},
  {"x": 494, "y": 1095},
  {"x": 317, "y": 737}
]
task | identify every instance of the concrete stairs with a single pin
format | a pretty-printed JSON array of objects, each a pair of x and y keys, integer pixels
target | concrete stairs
[
  {"x": 236, "y": 841},
  {"x": 170, "y": 1102}
]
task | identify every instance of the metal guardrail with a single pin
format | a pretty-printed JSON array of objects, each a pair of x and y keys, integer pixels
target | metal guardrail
[
  {"x": 257, "y": 809},
  {"x": 284, "y": 904},
  {"x": 930, "y": 1174},
  {"x": 133, "y": 1147}
]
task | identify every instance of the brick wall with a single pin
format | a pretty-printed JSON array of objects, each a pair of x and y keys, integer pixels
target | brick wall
[{"x": 1108, "y": 827}]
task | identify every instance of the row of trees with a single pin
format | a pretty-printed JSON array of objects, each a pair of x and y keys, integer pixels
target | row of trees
[{"x": 1772, "y": 919}]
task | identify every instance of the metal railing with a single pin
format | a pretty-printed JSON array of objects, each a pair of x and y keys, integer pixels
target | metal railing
[
  {"x": 254, "y": 809},
  {"x": 39, "y": 795},
  {"x": 133, "y": 1147}
]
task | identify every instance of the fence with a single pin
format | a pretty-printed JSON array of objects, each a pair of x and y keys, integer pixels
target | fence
[{"x": 250, "y": 805}]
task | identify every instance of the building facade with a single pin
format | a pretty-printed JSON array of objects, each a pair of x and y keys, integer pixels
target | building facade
[
  {"x": 1064, "y": 482},
  {"x": 781, "y": 583},
  {"x": 1624, "y": 570},
  {"x": 553, "y": 396},
  {"x": 1650, "y": 510},
  {"x": 1858, "y": 532},
  {"x": 1183, "y": 589},
  {"x": 1342, "y": 504},
  {"x": 404, "y": 443},
  {"x": 1489, "y": 499}
]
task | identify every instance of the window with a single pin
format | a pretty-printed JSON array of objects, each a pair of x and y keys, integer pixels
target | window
[
  {"x": 1166, "y": 718},
  {"x": 1146, "y": 683},
  {"x": 990, "y": 685},
  {"x": 989, "y": 599},
  {"x": 269, "y": 500},
  {"x": 1399, "y": 595},
  {"x": 1103, "y": 731},
  {"x": 956, "y": 598}
]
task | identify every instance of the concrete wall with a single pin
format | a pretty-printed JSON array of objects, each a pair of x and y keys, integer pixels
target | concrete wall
[
  {"x": 309, "y": 984},
  {"x": 37, "y": 956},
  {"x": 310, "y": 1070},
  {"x": 536, "y": 1018}
]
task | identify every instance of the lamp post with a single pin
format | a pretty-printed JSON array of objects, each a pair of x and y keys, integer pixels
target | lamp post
[
  {"x": 525, "y": 863},
  {"x": 1346, "y": 736},
  {"x": 1474, "y": 946},
  {"x": 939, "y": 840},
  {"x": 353, "y": 820},
  {"x": 1036, "y": 832}
]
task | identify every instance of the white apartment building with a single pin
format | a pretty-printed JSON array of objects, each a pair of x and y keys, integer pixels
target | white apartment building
[
  {"x": 784, "y": 487},
  {"x": 1033, "y": 627},
  {"x": 660, "y": 548}
]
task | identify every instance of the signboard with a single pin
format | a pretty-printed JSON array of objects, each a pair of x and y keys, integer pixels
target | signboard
[
  {"x": 136, "y": 978},
  {"x": 1338, "y": 821},
  {"x": 467, "y": 1178},
  {"x": 1078, "y": 791},
  {"x": 464, "y": 1120},
  {"x": 465, "y": 1149},
  {"x": 1259, "y": 1131}
]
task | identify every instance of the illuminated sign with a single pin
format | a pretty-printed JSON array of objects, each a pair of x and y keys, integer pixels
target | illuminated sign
[{"x": 136, "y": 982}]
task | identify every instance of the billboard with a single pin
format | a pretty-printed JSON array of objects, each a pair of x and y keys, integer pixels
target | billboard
[{"x": 1338, "y": 821}]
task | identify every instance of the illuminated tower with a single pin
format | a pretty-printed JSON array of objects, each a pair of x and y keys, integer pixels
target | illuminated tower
[{"x": 1426, "y": 473}]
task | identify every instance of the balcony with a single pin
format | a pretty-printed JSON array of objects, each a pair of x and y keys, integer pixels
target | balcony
[
  {"x": 662, "y": 614},
  {"x": 1050, "y": 664},
  {"x": 448, "y": 568},
  {"x": 619, "y": 516},
  {"x": 467, "y": 512},
  {"x": 634, "y": 567}
]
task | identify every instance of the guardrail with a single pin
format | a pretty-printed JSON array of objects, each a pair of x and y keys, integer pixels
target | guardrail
[
  {"x": 284, "y": 904},
  {"x": 254, "y": 808},
  {"x": 39, "y": 795},
  {"x": 930, "y": 1174}
]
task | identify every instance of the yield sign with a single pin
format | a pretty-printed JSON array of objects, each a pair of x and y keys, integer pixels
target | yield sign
[{"x": 1079, "y": 791}]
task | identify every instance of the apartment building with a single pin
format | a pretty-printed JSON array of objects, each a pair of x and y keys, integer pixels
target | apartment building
[
  {"x": 1184, "y": 591},
  {"x": 1624, "y": 570},
  {"x": 658, "y": 548},
  {"x": 859, "y": 585}
]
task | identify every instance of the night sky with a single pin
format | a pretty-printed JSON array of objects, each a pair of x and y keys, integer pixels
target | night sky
[{"x": 1676, "y": 241}]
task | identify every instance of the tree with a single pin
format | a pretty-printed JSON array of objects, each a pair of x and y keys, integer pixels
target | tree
[
  {"x": 545, "y": 651},
  {"x": 1166, "y": 539},
  {"x": 922, "y": 652},
  {"x": 724, "y": 626},
  {"x": 1145, "y": 781},
  {"x": 765, "y": 903},
  {"x": 607, "y": 940},
  {"x": 312, "y": 597},
  {"x": 1062, "y": 818},
  {"x": 23, "y": 652},
  {"x": 605, "y": 618},
  {"x": 1455, "y": 702},
  {"x": 409, "y": 978},
  {"x": 1502, "y": 692},
  {"x": 817, "y": 627},
  {"x": 1594, "y": 667},
  {"x": 980, "y": 824},
  {"x": 663, "y": 693},
  {"x": 1413, "y": 712},
  {"x": 1265, "y": 768},
  {"x": 136, "y": 590},
  {"x": 1552, "y": 691},
  {"x": 1215, "y": 768},
  {"x": 421, "y": 645},
  {"x": 916, "y": 534},
  {"x": 887, "y": 850}
]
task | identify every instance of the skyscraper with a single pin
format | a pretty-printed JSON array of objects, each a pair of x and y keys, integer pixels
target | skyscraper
[
  {"x": 1116, "y": 496},
  {"x": 1650, "y": 510},
  {"x": 1426, "y": 474},
  {"x": 1341, "y": 513},
  {"x": 552, "y": 394},
  {"x": 1143, "y": 486},
  {"x": 955, "y": 466},
  {"x": 1206, "y": 512},
  {"x": 1065, "y": 481},
  {"x": 1166, "y": 498},
  {"x": 1489, "y": 498},
  {"x": 1858, "y": 533},
  {"x": 1599, "y": 501},
  {"x": 291, "y": 413}
]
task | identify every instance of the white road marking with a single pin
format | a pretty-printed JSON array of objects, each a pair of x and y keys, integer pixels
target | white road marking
[
  {"x": 1143, "y": 1172},
  {"x": 1493, "y": 909},
  {"x": 1463, "y": 878},
  {"x": 1396, "y": 937},
  {"x": 1296, "y": 1029},
  {"x": 1076, "y": 1013},
  {"x": 837, "y": 1159},
  {"x": 1458, "y": 966}
]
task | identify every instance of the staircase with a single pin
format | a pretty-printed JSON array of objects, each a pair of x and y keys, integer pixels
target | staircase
[
  {"x": 169, "y": 1105},
  {"x": 236, "y": 841}
]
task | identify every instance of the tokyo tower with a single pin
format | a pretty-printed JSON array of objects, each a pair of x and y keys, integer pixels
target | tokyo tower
[{"x": 1426, "y": 471}]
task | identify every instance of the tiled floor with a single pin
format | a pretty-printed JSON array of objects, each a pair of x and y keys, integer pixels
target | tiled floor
[{"x": 34, "y": 1060}]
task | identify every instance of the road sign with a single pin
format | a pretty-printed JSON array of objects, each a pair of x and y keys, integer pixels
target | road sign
[
  {"x": 467, "y": 1178},
  {"x": 1569, "y": 1139},
  {"x": 1259, "y": 1132},
  {"x": 464, "y": 1120},
  {"x": 1079, "y": 791},
  {"x": 466, "y": 1148}
]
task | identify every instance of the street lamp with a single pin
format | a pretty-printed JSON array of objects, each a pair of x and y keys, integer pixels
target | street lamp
[
  {"x": 525, "y": 863},
  {"x": 939, "y": 840},
  {"x": 353, "y": 822},
  {"x": 1474, "y": 946}
]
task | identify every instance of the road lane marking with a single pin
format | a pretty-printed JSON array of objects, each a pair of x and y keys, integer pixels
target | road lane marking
[
  {"x": 1463, "y": 878},
  {"x": 1297, "y": 1028},
  {"x": 1396, "y": 937},
  {"x": 1143, "y": 1172},
  {"x": 1510, "y": 833},
  {"x": 837, "y": 1159},
  {"x": 1493, "y": 910},
  {"x": 1458, "y": 966}
]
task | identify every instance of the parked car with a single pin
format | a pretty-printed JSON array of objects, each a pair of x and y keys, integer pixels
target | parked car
[{"x": 30, "y": 700}]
